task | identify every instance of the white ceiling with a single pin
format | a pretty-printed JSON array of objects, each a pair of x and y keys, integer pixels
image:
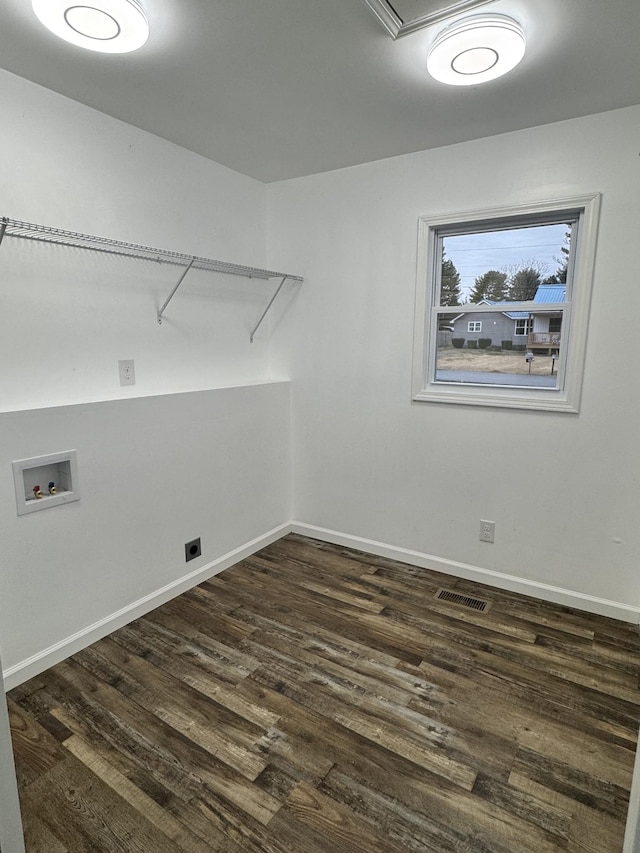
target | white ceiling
[{"x": 282, "y": 88}]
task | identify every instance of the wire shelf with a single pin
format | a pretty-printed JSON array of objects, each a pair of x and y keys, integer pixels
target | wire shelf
[{"x": 46, "y": 234}]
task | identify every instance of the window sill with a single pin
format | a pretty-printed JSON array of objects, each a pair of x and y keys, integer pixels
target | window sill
[{"x": 488, "y": 397}]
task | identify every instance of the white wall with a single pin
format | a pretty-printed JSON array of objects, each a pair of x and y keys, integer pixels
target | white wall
[
  {"x": 368, "y": 463},
  {"x": 154, "y": 473},
  {"x": 198, "y": 447},
  {"x": 68, "y": 316},
  {"x": 563, "y": 489}
]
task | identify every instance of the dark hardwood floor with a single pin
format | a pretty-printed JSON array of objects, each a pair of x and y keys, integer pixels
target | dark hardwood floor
[{"x": 316, "y": 699}]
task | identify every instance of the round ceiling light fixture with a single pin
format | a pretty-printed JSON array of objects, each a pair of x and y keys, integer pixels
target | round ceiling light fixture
[
  {"x": 476, "y": 49},
  {"x": 108, "y": 26}
]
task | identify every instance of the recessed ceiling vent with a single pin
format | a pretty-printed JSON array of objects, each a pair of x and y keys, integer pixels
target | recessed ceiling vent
[
  {"x": 467, "y": 601},
  {"x": 401, "y": 17}
]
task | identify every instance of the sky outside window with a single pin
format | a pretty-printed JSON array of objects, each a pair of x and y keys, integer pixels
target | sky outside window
[{"x": 475, "y": 254}]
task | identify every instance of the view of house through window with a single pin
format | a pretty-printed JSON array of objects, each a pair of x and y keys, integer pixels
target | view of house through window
[
  {"x": 502, "y": 304},
  {"x": 501, "y": 341}
]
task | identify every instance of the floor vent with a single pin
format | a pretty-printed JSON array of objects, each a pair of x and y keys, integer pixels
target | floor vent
[{"x": 463, "y": 600}]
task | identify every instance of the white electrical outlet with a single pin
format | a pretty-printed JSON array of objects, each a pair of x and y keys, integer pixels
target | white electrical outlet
[
  {"x": 127, "y": 372},
  {"x": 487, "y": 531}
]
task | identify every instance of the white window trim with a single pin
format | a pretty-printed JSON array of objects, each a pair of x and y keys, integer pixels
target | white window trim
[
  {"x": 570, "y": 366},
  {"x": 475, "y": 323},
  {"x": 527, "y": 324}
]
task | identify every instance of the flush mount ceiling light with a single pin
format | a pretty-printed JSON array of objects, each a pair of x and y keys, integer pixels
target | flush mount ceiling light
[
  {"x": 476, "y": 49},
  {"x": 108, "y": 26}
]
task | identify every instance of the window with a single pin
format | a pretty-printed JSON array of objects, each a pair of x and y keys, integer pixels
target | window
[
  {"x": 526, "y": 274},
  {"x": 523, "y": 326}
]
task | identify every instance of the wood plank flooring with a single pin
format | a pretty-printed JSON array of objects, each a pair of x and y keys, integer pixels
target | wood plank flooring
[{"x": 315, "y": 699}]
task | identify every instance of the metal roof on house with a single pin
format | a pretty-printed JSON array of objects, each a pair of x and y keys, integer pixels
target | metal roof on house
[
  {"x": 550, "y": 293},
  {"x": 545, "y": 295}
]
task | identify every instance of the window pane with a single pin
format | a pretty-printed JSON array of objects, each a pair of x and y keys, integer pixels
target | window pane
[
  {"x": 518, "y": 351},
  {"x": 503, "y": 265}
]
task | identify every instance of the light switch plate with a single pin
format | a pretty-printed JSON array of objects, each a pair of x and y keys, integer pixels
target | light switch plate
[{"x": 127, "y": 372}]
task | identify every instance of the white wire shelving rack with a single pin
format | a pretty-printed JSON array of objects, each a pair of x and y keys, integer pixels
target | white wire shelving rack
[{"x": 45, "y": 234}]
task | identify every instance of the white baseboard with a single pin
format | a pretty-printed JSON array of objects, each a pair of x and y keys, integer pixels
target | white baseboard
[
  {"x": 36, "y": 664},
  {"x": 41, "y": 661},
  {"x": 557, "y": 595}
]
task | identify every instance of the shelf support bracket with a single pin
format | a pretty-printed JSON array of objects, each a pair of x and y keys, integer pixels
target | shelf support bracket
[
  {"x": 266, "y": 310},
  {"x": 174, "y": 291}
]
